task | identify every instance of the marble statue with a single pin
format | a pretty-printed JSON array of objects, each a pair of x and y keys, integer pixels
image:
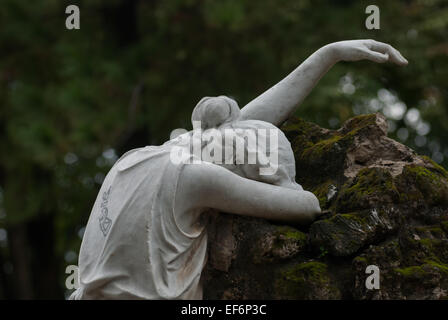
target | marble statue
[{"x": 146, "y": 237}]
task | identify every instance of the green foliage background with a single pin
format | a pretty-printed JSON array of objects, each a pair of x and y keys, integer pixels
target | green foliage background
[{"x": 71, "y": 101}]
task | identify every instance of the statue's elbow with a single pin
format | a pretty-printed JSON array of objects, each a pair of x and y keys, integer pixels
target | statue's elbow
[
  {"x": 316, "y": 206},
  {"x": 314, "y": 209}
]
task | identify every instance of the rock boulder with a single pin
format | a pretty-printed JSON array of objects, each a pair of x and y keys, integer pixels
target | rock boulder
[{"x": 385, "y": 206}]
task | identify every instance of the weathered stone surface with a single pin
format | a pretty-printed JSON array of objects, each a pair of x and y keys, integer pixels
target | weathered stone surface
[
  {"x": 345, "y": 234},
  {"x": 307, "y": 280},
  {"x": 387, "y": 206}
]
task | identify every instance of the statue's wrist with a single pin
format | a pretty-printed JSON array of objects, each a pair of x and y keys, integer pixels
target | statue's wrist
[{"x": 331, "y": 53}]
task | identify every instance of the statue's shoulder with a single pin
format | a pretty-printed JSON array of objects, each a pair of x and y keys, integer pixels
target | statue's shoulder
[{"x": 138, "y": 155}]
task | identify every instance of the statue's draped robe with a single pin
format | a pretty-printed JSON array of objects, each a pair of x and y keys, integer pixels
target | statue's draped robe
[
  {"x": 134, "y": 246},
  {"x": 137, "y": 243}
]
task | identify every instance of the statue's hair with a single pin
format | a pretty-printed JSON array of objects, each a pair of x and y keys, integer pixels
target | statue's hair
[
  {"x": 285, "y": 173},
  {"x": 212, "y": 112},
  {"x": 220, "y": 113}
]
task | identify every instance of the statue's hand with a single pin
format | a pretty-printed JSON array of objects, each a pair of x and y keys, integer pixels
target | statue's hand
[{"x": 355, "y": 50}]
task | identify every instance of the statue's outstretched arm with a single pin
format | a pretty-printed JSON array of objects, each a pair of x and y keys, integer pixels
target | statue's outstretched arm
[
  {"x": 211, "y": 186},
  {"x": 279, "y": 102}
]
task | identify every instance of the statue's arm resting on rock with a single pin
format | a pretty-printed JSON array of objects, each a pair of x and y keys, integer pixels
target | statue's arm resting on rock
[
  {"x": 279, "y": 102},
  {"x": 211, "y": 186}
]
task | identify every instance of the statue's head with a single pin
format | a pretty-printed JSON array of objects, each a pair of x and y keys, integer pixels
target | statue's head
[
  {"x": 222, "y": 113},
  {"x": 275, "y": 162},
  {"x": 212, "y": 112}
]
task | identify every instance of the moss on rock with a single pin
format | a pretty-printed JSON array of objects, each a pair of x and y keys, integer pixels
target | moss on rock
[
  {"x": 424, "y": 270},
  {"x": 321, "y": 191},
  {"x": 386, "y": 206},
  {"x": 411, "y": 272},
  {"x": 424, "y": 184},
  {"x": 308, "y": 280},
  {"x": 370, "y": 187},
  {"x": 278, "y": 243},
  {"x": 345, "y": 234}
]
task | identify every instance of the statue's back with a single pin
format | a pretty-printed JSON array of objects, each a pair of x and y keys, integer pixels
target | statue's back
[{"x": 133, "y": 247}]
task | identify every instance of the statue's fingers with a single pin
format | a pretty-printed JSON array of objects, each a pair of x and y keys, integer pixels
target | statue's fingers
[
  {"x": 376, "y": 56},
  {"x": 401, "y": 60},
  {"x": 378, "y": 46},
  {"x": 394, "y": 55}
]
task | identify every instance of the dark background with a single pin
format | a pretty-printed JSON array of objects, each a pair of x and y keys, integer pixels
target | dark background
[{"x": 72, "y": 101}]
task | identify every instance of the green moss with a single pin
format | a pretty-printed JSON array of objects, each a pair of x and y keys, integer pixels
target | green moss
[
  {"x": 427, "y": 242},
  {"x": 431, "y": 185},
  {"x": 422, "y": 172},
  {"x": 427, "y": 249},
  {"x": 354, "y": 217},
  {"x": 290, "y": 233},
  {"x": 430, "y": 246},
  {"x": 443, "y": 267},
  {"x": 320, "y": 158},
  {"x": 302, "y": 134},
  {"x": 283, "y": 242},
  {"x": 422, "y": 271},
  {"x": 358, "y": 220},
  {"x": 359, "y": 122},
  {"x": 311, "y": 271},
  {"x": 434, "y": 231},
  {"x": 305, "y": 280},
  {"x": 343, "y": 234},
  {"x": 360, "y": 259},
  {"x": 321, "y": 192},
  {"x": 300, "y": 127},
  {"x": 321, "y": 147},
  {"x": 416, "y": 183},
  {"x": 309, "y": 143},
  {"x": 370, "y": 180},
  {"x": 411, "y": 272},
  {"x": 370, "y": 183},
  {"x": 437, "y": 167},
  {"x": 321, "y": 153}
]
